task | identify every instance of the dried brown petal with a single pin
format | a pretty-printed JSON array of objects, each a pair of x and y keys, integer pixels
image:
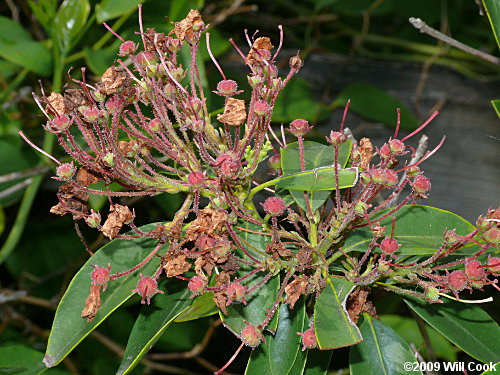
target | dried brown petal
[
  {"x": 357, "y": 303},
  {"x": 56, "y": 104},
  {"x": 277, "y": 249},
  {"x": 177, "y": 266},
  {"x": 185, "y": 27},
  {"x": 304, "y": 259},
  {"x": 295, "y": 289},
  {"x": 366, "y": 150},
  {"x": 261, "y": 43},
  {"x": 86, "y": 177},
  {"x": 118, "y": 216},
  {"x": 234, "y": 112},
  {"x": 204, "y": 265},
  {"x": 220, "y": 299},
  {"x": 92, "y": 303},
  {"x": 209, "y": 222},
  {"x": 71, "y": 200},
  {"x": 113, "y": 79},
  {"x": 74, "y": 98}
]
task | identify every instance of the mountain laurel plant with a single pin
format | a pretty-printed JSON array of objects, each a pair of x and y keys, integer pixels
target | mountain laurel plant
[{"x": 291, "y": 270}]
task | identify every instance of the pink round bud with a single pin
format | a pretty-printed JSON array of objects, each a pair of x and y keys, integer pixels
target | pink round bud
[
  {"x": 90, "y": 114},
  {"x": 114, "y": 104},
  {"x": 94, "y": 219},
  {"x": 336, "y": 138},
  {"x": 474, "y": 270},
  {"x": 494, "y": 265},
  {"x": 421, "y": 184},
  {"x": 226, "y": 87},
  {"x": 174, "y": 44},
  {"x": 154, "y": 125},
  {"x": 197, "y": 284},
  {"x": 127, "y": 48},
  {"x": 457, "y": 280},
  {"x": 492, "y": 235},
  {"x": 59, "y": 123},
  {"x": 299, "y": 127},
  {"x": 235, "y": 291},
  {"x": 385, "y": 151},
  {"x": 275, "y": 161},
  {"x": 227, "y": 164},
  {"x": 274, "y": 206},
  {"x": 146, "y": 58},
  {"x": 196, "y": 179},
  {"x": 413, "y": 171},
  {"x": 378, "y": 175},
  {"x": 396, "y": 146},
  {"x": 147, "y": 287},
  {"x": 389, "y": 245},
  {"x": 100, "y": 275},
  {"x": 65, "y": 171},
  {"x": 261, "y": 108},
  {"x": 251, "y": 335},
  {"x": 308, "y": 339}
]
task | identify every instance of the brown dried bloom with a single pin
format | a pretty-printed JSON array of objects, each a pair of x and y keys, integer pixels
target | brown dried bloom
[
  {"x": 92, "y": 303},
  {"x": 366, "y": 151},
  {"x": 234, "y": 112},
  {"x": 188, "y": 26},
  {"x": 56, "y": 103},
  {"x": 177, "y": 266},
  {"x": 208, "y": 222},
  {"x": 113, "y": 80},
  {"x": 295, "y": 289},
  {"x": 118, "y": 216}
]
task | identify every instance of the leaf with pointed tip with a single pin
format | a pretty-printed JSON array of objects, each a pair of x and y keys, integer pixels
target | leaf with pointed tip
[
  {"x": 153, "y": 320},
  {"x": 382, "y": 351},
  {"x": 419, "y": 230},
  {"x": 69, "y": 328},
  {"x": 109, "y": 9},
  {"x": 279, "y": 354},
  {"x": 492, "y": 8},
  {"x": 333, "y": 326},
  {"x": 466, "y": 325},
  {"x": 70, "y": 18}
]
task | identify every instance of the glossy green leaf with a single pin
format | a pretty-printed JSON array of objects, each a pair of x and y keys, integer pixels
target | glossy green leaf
[
  {"x": 68, "y": 328},
  {"x": 375, "y": 104},
  {"x": 496, "y": 106},
  {"x": 408, "y": 329},
  {"x": 99, "y": 61},
  {"x": 258, "y": 302},
  {"x": 334, "y": 329},
  {"x": 316, "y": 155},
  {"x": 254, "y": 243},
  {"x": 201, "y": 307},
  {"x": 21, "y": 360},
  {"x": 28, "y": 54},
  {"x": 109, "y": 9},
  {"x": 295, "y": 102},
  {"x": 318, "y": 362},
  {"x": 419, "y": 229},
  {"x": 492, "y": 8},
  {"x": 382, "y": 351},
  {"x": 153, "y": 320},
  {"x": 493, "y": 370},
  {"x": 12, "y": 31},
  {"x": 319, "y": 179},
  {"x": 70, "y": 18},
  {"x": 466, "y": 325},
  {"x": 278, "y": 354}
]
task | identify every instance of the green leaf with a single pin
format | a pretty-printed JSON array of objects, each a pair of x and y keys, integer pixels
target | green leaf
[
  {"x": 28, "y": 54},
  {"x": 68, "y": 328},
  {"x": 334, "y": 329},
  {"x": 496, "y": 106},
  {"x": 494, "y": 370},
  {"x": 492, "y": 8},
  {"x": 408, "y": 329},
  {"x": 419, "y": 229},
  {"x": 18, "y": 359},
  {"x": 201, "y": 307},
  {"x": 278, "y": 354},
  {"x": 255, "y": 310},
  {"x": 316, "y": 155},
  {"x": 70, "y": 18},
  {"x": 318, "y": 362},
  {"x": 100, "y": 60},
  {"x": 109, "y": 9},
  {"x": 295, "y": 102},
  {"x": 375, "y": 104},
  {"x": 252, "y": 241},
  {"x": 466, "y": 325},
  {"x": 382, "y": 351},
  {"x": 153, "y": 320},
  {"x": 12, "y": 31}
]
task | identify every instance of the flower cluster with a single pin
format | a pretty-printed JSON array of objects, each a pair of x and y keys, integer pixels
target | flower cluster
[{"x": 146, "y": 127}]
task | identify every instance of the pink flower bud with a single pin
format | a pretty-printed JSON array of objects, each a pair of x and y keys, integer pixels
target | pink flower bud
[
  {"x": 413, "y": 171},
  {"x": 59, "y": 123},
  {"x": 114, "y": 104},
  {"x": 146, "y": 58},
  {"x": 127, "y": 48},
  {"x": 299, "y": 127},
  {"x": 396, "y": 146},
  {"x": 196, "y": 179},
  {"x": 308, "y": 339},
  {"x": 154, "y": 125},
  {"x": 389, "y": 245},
  {"x": 94, "y": 219},
  {"x": 147, "y": 287},
  {"x": 421, "y": 184},
  {"x": 197, "y": 284},
  {"x": 90, "y": 114},
  {"x": 275, "y": 161},
  {"x": 336, "y": 138},
  {"x": 474, "y": 270},
  {"x": 65, "y": 171},
  {"x": 251, "y": 335},
  {"x": 100, "y": 275},
  {"x": 174, "y": 44},
  {"x": 494, "y": 265},
  {"x": 457, "y": 280},
  {"x": 492, "y": 235},
  {"x": 261, "y": 108},
  {"x": 385, "y": 151},
  {"x": 226, "y": 87},
  {"x": 274, "y": 206},
  {"x": 235, "y": 291}
]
